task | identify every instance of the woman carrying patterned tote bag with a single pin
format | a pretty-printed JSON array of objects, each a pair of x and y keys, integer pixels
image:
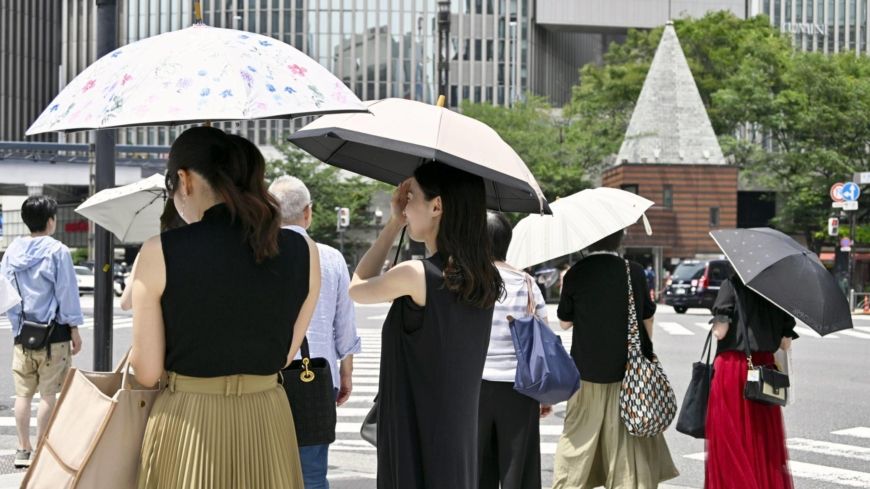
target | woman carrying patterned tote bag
[
  {"x": 647, "y": 403},
  {"x": 596, "y": 448}
]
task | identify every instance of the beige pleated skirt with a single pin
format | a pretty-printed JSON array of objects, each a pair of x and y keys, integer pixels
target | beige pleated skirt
[
  {"x": 595, "y": 448},
  {"x": 224, "y": 432}
]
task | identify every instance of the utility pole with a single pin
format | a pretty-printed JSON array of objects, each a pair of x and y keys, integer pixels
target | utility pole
[
  {"x": 104, "y": 177},
  {"x": 444, "y": 50}
]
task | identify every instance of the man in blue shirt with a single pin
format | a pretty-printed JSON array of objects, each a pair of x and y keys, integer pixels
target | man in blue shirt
[
  {"x": 332, "y": 332},
  {"x": 41, "y": 270}
]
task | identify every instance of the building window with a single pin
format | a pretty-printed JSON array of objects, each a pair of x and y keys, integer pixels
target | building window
[
  {"x": 714, "y": 217},
  {"x": 630, "y": 187},
  {"x": 668, "y": 197}
]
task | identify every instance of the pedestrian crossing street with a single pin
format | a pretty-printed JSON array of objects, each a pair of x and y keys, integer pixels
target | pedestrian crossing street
[
  {"x": 118, "y": 322},
  {"x": 851, "y": 445},
  {"x": 841, "y": 459}
]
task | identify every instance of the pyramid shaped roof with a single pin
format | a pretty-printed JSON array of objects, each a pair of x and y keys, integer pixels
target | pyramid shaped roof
[{"x": 670, "y": 124}]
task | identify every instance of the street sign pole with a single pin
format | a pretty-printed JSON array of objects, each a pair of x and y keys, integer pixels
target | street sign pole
[
  {"x": 852, "y": 218},
  {"x": 104, "y": 177}
]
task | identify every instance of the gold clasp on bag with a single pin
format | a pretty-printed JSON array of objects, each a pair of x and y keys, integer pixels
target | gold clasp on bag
[{"x": 306, "y": 375}]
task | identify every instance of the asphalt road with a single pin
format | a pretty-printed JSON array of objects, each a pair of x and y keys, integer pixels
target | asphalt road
[{"x": 828, "y": 426}]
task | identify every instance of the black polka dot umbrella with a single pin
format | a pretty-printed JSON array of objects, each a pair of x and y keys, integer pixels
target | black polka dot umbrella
[{"x": 788, "y": 275}]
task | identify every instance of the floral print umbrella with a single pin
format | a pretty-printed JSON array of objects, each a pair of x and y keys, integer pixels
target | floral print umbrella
[{"x": 192, "y": 75}]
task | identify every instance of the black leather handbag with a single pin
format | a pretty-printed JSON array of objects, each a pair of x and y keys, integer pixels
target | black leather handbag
[
  {"x": 693, "y": 412},
  {"x": 764, "y": 384},
  {"x": 308, "y": 383},
  {"x": 369, "y": 429}
]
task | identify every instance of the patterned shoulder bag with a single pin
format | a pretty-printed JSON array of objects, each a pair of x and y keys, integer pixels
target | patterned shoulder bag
[{"x": 647, "y": 404}]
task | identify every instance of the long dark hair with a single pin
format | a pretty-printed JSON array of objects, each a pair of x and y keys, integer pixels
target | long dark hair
[
  {"x": 238, "y": 178},
  {"x": 462, "y": 236}
]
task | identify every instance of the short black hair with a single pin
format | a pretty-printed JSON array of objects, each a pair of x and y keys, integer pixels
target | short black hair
[
  {"x": 609, "y": 243},
  {"x": 36, "y": 211},
  {"x": 500, "y": 233}
]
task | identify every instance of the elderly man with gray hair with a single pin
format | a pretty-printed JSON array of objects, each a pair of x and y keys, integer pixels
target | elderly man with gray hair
[{"x": 332, "y": 333}]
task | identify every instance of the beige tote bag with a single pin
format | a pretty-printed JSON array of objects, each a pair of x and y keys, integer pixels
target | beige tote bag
[{"x": 94, "y": 437}]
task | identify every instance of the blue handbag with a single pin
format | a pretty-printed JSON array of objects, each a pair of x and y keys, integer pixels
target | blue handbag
[{"x": 545, "y": 371}]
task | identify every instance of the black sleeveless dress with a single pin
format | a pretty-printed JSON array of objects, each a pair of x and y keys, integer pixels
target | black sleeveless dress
[{"x": 432, "y": 362}]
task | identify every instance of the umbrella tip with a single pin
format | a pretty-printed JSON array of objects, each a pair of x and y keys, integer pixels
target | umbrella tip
[{"x": 441, "y": 101}]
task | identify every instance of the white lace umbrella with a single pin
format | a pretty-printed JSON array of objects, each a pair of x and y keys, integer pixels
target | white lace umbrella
[
  {"x": 577, "y": 222},
  {"x": 131, "y": 212},
  {"x": 192, "y": 75}
]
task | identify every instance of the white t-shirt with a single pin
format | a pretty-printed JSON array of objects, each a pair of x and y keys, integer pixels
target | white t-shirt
[{"x": 501, "y": 358}]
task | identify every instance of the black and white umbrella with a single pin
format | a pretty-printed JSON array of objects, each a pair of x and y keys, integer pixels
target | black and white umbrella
[{"x": 788, "y": 275}]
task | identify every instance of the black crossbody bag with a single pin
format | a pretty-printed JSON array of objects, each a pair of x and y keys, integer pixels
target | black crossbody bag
[
  {"x": 34, "y": 335},
  {"x": 763, "y": 384}
]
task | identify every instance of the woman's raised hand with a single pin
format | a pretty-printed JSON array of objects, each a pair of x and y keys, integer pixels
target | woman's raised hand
[{"x": 399, "y": 201}]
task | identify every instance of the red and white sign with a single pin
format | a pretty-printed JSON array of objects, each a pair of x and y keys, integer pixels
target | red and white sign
[{"x": 837, "y": 192}]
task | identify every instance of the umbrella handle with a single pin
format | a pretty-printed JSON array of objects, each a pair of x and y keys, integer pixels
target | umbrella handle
[
  {"x": 197, "y": 11},
  {"x": 441, "y": 101}
]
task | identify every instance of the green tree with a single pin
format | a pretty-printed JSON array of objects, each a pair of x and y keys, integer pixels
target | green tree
[
  {"x": 330, "y": 188},
  {"x": 541, "y": 139}
]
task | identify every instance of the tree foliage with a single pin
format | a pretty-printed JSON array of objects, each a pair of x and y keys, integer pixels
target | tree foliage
[
  {"x": 541, "y": 139},
  {"x": 329, "y": 188}
]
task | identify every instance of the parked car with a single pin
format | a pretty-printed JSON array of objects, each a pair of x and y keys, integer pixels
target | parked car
[
  {"x": 695, "y": 283},
  {"x": 84, "y": 279}
]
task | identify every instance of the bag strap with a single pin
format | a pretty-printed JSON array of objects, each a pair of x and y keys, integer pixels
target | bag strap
[
  {"x": 23, "y": 317},
  {"x": 633, "y": 328},
  {"x": 531, "y": 306},
  {"x": 708, "y": 346},
  {"x": 306, "y": 353}
]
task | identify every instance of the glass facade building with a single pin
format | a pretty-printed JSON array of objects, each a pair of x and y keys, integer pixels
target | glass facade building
[{"x": 827, "y": 26}]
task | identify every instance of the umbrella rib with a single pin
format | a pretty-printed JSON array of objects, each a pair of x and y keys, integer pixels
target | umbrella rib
[
  {"x": 130, "y": 225},
  {"x": 331, "y": 155}
]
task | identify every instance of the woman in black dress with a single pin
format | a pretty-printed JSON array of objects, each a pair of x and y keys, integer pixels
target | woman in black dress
[{"x": 436, "y": 335}]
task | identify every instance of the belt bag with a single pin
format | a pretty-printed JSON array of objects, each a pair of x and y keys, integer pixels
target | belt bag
[{"x": 766, "y": 385}]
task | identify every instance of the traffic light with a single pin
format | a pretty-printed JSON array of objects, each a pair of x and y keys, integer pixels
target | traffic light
[
  {"x": 343, "y": 217},
  {"x": 833, "y": 226}
]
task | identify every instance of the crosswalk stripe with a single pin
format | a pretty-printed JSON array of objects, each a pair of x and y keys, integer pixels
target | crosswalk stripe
[
  {"x": 118, "y": 322},
  {"x": 857, "y": 432},
  {"x": 827, "y": 448},
  {"x": 822, "y": 473},
  {"x": 674, "y": 329},
  {"x": 344, "y": 412},
  {"x": 854, "y": 334},
  {"x": 704, "y": 326},
  {"x": 9, "y": 421},
  {"x": 863, "y": 328}
]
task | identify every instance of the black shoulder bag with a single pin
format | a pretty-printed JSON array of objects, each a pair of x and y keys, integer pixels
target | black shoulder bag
[
  {"x": 763, "y": 384},
  {"x": 692, "y": 420},
  {"x": 33, "y": 335},
  {"x": 309, "y": 388}
]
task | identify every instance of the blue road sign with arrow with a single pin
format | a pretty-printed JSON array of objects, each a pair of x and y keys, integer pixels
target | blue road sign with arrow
[{"x": 850, "y": 191}]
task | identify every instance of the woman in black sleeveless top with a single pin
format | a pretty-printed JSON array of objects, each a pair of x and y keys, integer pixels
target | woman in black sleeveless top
[
  {"x": 221, "y": 305},
  {"x": 436, "y": 335}
]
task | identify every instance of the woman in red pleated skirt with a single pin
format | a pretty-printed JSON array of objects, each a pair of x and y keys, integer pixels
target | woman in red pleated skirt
[{"x": 746, "y": 447}]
